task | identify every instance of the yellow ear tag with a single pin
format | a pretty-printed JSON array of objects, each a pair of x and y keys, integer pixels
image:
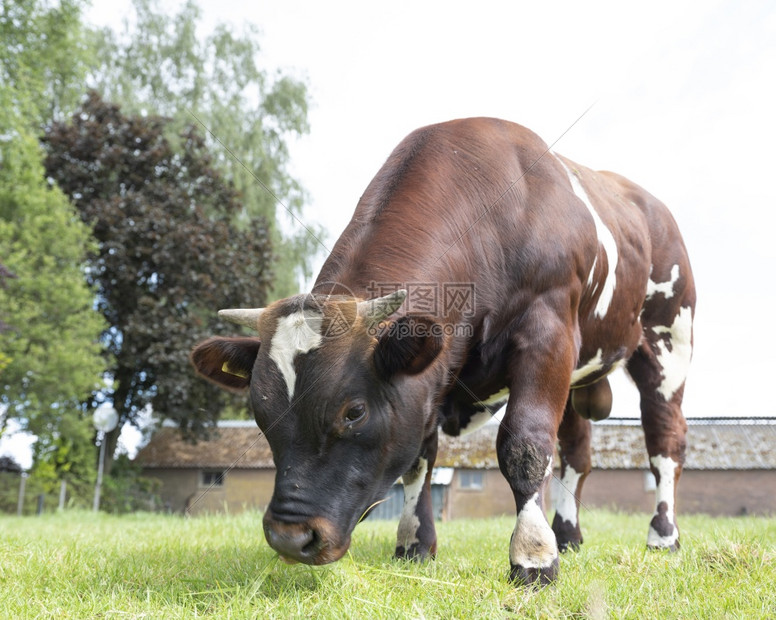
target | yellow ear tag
[{"x": 232, "y": 371}]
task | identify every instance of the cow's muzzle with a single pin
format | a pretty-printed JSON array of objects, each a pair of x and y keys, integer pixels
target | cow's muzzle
[{"x": 314, "y": 541}]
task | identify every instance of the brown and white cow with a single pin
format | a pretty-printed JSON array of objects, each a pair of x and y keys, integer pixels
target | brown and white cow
[{"x": 560, "y": 275}]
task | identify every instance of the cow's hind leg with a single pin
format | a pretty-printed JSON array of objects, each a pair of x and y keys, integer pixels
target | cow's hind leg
[
  {"x": 659, "y": 368},
  {"x": 574, "y": 449},
  {"x": 416, "y": 536}
]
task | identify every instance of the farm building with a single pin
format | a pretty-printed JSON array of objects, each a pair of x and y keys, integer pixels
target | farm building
[{"x": 730, "y": 470}]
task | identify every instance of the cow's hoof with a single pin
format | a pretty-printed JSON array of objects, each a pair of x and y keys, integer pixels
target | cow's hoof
[
  {"x": 673, "y": 548},
  {"x": 523, "y": 576},
  {"x": 569, "y": 545},
  {"x": 568, "y": 536},
  {"x": 415, "y": 552}
]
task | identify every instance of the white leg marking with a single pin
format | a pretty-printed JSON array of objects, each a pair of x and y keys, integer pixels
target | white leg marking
[
  {"x": 676, "y": 362},
  {"x": 296, "y": 333},
  {"x": 606, "y": 239},
  {"x": 533, "y": 541},
  {"x": 666, "y": 467},
  {"x": 565, "y": 495},
  {"x": 667, "y": 288},
  {"x": 409, "y": 522}
]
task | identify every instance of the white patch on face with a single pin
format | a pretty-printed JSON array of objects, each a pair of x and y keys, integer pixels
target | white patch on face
[
  {"x": 666, "y": 467},
  {"x": 676, "y": 362},
  {"x": 606, "y": 239},
  {"x": 667, "y": 288},
  {"x": 565, "y": 495},
  {"x": 409, "y": 522},
  {"x": 296, "y": 333},
  {"x": 533, "y": 541}
]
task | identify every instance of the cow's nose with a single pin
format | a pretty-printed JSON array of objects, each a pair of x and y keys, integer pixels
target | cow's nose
[
  {"x": 293, "y": 541},
  {"x": 314, "y": 541}
]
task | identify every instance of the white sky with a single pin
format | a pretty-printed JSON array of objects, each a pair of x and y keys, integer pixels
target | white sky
[{"x": 685, "y": 101}]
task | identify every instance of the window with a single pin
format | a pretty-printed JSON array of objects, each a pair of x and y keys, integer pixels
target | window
[
  {"x": 650, "y": 484},
  {"x": 212, "y": 478},
  {"x": 471, "y": 480}
]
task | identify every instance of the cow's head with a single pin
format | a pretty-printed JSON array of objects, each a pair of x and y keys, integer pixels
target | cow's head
[{"x": 341, "y": 394}]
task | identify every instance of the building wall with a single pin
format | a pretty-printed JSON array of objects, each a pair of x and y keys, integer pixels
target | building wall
[
  {"x": 242, "y": 489},
  {"x": 495, "y": 497},
  {"x": 728, "y": 492},
  {"x": 713, "y": 492}
]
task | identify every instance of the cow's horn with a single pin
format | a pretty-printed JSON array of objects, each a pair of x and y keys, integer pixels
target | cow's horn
[
  {"x": 242, "y": 316},
  {"x": 375, "y": 310}
]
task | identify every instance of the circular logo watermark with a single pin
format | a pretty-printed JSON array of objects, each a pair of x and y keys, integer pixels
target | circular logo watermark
[{"x": 330, "y": 309}]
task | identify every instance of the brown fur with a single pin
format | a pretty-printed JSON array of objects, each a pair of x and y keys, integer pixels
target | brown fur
[{"x": 483, "y": 202}]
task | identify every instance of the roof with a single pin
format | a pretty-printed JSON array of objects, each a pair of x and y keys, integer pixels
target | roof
[
  {"x": 724, "y": 443},
  {"x": 232, "y": 445},
  {"x": 617, "y": 444}
]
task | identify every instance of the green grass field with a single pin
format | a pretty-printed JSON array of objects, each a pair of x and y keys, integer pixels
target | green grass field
[{"x": 80, "y": 565}]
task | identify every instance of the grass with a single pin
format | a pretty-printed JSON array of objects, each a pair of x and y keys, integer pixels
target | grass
[{"x": 81, "y": 565}]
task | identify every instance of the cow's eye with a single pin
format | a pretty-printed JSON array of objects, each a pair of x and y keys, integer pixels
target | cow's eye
[{"x": 355, "y": 413}]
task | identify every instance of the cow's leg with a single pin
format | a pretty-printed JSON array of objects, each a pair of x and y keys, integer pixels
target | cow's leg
[
  {"x": 539, "y": 369},
  {"x": 416, "y": 537},
  {"x": 659, "y": 367},
  {"x": 574, "y": 449}
]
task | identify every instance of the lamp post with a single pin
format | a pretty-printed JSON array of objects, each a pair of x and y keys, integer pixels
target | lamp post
[{"x": 105, "y": 420}]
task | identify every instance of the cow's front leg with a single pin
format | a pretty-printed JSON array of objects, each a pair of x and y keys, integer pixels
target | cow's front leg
[
  {"x": 416, "y": 537},
  {"x": 533, "y": 551},
  {"x": 540, "y": 372}
]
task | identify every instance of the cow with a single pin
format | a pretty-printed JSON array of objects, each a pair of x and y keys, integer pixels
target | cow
[{"x": 480, "y": 269}]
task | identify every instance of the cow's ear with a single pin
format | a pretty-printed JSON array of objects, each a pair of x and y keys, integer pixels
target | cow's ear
[
  {"x": 227, "y": 362},
  {"x": 407, "y": 346}
]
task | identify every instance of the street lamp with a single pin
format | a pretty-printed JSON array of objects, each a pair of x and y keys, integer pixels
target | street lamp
[{"x": 105, "y": 420}]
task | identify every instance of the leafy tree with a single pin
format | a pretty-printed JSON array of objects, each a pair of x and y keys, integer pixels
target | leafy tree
[
  {"x": 169, "y": 253},
  {"x": 50, "y": 343},
  {"x": 160, "y": 65},
  {"x": 127, "y": 490},
  {"x": 67, "y": 454},
  {"x": 45, "y": 56}
]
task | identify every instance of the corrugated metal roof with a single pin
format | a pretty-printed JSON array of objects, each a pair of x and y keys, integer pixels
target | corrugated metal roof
[{"x": 617, "y": 444}]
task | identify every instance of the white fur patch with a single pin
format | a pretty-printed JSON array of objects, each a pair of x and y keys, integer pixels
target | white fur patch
[
  {"x": 499, "y": 398},
  {"x": 565, "y": 495},
  {"x": 606, "y": 239},
  {"x": 588, "y": 368},
  {"x": 296, "y": 333},
  {"x": 533, "y": 541},
  {"x": 493, "y": 403},
  {"x": 666, "y": 467},
  {"x": 666, "y": 288},
  {"x": 676, "y": 362},
  {"x": 409, "y": 522},
  {"x": 476, "y": 422}
]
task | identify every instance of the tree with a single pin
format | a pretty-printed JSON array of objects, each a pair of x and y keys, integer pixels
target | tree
[
  {"x": 50, "y": 342},
  {"x": 45, "y": 57},
  {"x": 161, "y": 66},
  {"x": 169, "y": 253}
]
